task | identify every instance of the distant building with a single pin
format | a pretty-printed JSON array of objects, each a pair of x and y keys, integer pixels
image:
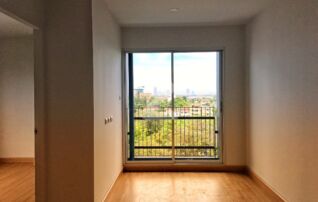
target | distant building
[
  {"x": 155, "y": 91},
  {"x": 145, "y": 95},
  {"x": 188, "y": 92},
  {"x": 139, "y": 90}
]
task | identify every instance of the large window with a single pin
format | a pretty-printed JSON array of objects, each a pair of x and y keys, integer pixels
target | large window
[{"x": 173, "y": 106}]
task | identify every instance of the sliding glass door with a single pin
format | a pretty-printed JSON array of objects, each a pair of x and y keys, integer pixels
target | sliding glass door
[
  {"x": 195, "y": 90},
  {"x": 173, "y": 108},
  {"x": 150, "y": 130}
]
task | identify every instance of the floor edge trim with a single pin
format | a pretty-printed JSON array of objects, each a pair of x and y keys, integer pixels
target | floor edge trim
[
  {"x": 17, "y": 160},
  {"x": 111, "y": 187},
  {"x": 261, "y": 183},
  {"x": 184, "y": 168}
]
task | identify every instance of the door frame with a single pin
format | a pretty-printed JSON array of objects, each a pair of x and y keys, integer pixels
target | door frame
[
  {"x": 125, "y": 107},
  {"x": 39, "y": 106}
]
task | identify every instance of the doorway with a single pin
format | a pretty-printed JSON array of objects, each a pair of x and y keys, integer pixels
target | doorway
[
  {"x": 173, "y": 107},
  {"x": 17, "y": 110}
]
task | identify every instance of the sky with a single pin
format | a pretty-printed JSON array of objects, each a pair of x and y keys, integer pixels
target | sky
[{"x": 194, "y": 73}]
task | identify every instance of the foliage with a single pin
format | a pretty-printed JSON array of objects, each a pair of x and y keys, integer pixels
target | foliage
[
  {"x": 182, "y": 102},
  {"x": 158, "y": 132},
  {"x": 140, "y": 102}
]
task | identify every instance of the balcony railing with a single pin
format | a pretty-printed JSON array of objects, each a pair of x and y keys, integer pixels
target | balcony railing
[{"x": 193, "y": 129}]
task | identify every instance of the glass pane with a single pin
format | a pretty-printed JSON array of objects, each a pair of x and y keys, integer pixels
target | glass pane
[
  {"x": 152, "y": 106},
  {"x": 195, "y": 87}
]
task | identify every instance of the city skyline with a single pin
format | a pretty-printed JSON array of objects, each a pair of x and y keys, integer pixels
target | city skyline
[
  {"x": 155, "y": 92},
  {"x": 194, "y": 73}
]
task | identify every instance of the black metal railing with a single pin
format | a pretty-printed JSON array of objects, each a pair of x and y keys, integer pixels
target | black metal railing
[{"x": 193, "y": 129}]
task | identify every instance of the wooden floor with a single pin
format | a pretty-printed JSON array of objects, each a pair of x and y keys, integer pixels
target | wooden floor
[
  {"x": 17, "y": 182},
  {"x": 17, "y": 185},
  {"x": 192, "y": 187}
]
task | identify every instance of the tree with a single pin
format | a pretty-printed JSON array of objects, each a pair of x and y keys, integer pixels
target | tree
[
  {"x": 164, "y": 104},
  {"x": 181, "y": 102},
  {"x": 140, "y": 102}
]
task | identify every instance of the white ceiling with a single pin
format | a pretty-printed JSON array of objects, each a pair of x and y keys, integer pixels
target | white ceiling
[
  {"x": 191, "y": 12},
  {"x": 10, "y": 27}
]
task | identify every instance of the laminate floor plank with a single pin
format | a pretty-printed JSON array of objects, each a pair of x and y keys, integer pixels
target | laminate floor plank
[
  {"x": 186, "y": 187},
  {"x": 17, "y": 182}
]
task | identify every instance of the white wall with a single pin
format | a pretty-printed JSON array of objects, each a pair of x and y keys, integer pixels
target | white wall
[
  {"x": 283, "y": 98},
  {"x": 69, "y": 104},
  {"x": 32, "y": 13},
  {"x": 16, "y": 97},
  {"x": 64, "y": 96},
  {"x": 107, "y": 92},
  {"x": 229, "y": 38}
]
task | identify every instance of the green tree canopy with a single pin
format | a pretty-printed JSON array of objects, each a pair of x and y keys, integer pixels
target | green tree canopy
[{"x": 181, "y": 102}]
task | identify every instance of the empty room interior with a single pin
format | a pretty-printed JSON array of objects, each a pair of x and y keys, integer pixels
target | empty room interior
[
  {"x": 17, "y": 144},
  {"x": 170, "y": 100}
]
